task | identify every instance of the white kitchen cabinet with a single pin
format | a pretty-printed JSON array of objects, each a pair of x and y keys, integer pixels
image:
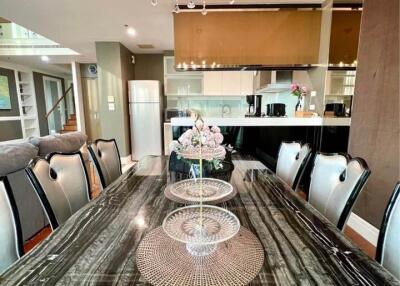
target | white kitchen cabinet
[
  {"x": 230, "y": 83},
  {"x": 227, "y": 83},
  {"x": 181, "y": 83},
  {"x": 183, "y": 86},
  {"x": 212, "y": 83},
  {"x": 246, "y": 83}
]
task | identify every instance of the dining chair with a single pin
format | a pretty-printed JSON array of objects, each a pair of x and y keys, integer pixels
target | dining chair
[
  {"x": 336, "y": 182},
  {"x": 61, "y": 183},
  {"x": 107, "y": 161},
  {"x": 293, "y": 158},
  {"x": 388, "y": 250},
  {"x": 11, "y": 244}
]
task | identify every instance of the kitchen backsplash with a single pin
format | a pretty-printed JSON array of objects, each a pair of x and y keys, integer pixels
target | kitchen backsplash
[{"x": 229, "y": 106}]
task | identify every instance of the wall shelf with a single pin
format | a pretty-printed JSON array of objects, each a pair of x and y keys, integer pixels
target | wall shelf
[{"x": 27, "y": 103}]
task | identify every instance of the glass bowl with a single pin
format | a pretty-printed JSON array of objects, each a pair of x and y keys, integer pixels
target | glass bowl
[
  {"x": 201, "y": 228},
  {"x": 212, "y": 189}
]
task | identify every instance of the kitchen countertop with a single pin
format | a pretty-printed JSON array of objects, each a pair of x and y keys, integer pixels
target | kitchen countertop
[{"x": 265, "y": 121}]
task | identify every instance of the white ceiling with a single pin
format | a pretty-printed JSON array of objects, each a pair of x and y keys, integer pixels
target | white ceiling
[{"x": 77, "y": 24}]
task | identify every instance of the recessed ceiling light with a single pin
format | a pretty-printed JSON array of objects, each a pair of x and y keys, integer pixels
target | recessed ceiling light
[
  {"x": 131, "y": 31},
  {"x": 45, "y": 58}
]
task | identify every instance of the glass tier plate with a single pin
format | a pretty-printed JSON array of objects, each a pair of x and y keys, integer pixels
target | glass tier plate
[
  {"x": 212, "y": 190},
  {"x": 207, "y": 153},
  {"x": 196, "y": 225}
]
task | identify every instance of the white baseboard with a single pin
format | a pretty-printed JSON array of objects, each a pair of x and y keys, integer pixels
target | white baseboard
[
  {"x": 365, "y": 229},
  {"x": 126, "y": 160}
]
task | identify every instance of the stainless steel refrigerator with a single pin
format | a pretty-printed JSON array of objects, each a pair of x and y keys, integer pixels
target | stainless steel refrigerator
[{"x": 145, "y": 106}]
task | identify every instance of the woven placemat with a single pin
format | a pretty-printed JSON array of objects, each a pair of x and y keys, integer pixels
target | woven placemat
[
  {"x": 169, "y": 195},
  {"x": 164, "y": 261}
]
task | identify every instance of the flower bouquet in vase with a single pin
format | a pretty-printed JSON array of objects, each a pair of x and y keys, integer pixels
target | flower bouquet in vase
[
  {"x": 200, "y": 143},
  {"x": 300, "y": 92}
]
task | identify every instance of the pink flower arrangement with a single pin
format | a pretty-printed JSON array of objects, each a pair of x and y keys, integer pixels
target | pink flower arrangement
[
  {"x": 201, "y": 134},
  {"x": 201, "y": 140},
  {"x": 298, "y": 90}
]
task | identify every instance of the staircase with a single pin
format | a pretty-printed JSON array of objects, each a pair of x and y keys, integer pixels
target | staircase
[{"x": 71, "y": 125}]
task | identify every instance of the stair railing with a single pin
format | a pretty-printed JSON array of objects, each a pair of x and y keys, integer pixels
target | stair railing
[{"x": 59, "y": 100}]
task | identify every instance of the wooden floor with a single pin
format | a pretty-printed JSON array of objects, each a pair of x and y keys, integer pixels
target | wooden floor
[{"x": 362, "y": 243}]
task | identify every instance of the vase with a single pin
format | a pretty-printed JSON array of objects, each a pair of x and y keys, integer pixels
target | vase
[
  {"x": 194, "y": 171},
  {"x": 300, "y": 104}
]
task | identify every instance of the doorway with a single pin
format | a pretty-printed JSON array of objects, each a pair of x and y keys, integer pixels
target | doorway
[{"x": 52, "y": 93}]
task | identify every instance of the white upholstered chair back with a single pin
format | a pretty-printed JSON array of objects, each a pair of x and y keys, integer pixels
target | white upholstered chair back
[
  {"x": 292, "y": 159},
  {"x": 106, "y": 158},
  {"x": 335, "y": 184},
  {"x": 61, "y": 183},
  {"x": 388, "y": 248},
  {"x": 10, "y": 231}
]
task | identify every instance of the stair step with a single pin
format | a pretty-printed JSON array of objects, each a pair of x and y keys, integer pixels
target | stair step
[
  {"x": 72, "y": 116},
  {"x": 70, "y": 128},
  {"x": 71, "y": 122}
]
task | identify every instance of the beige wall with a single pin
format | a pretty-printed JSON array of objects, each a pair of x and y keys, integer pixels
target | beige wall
[
  {"x": 374, "y": 132},
  {"x": 114, "y": 70}
]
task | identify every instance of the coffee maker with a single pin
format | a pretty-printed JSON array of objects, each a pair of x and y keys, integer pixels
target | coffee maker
[
  {"x": 258, "y": 105},
  {"x": 254, "y": 102},
  {"x": 250, "y": 102}
]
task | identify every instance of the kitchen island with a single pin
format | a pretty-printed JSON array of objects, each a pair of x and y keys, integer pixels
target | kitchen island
[
  {"x": 261, "y": 136},
  {"x": 265, "y": 121}
]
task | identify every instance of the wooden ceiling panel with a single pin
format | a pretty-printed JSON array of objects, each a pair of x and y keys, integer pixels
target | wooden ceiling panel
[{"x": 248, "y": 37}]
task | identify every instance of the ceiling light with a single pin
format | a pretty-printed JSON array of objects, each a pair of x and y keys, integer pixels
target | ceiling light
[
  {"x": 176, "y": 7},
  {"x": 204, "y": 10},
  {"x": 45, "y": 58},
  {"x": 191, "y": 4},
  {"x": 131, "y": 31}
]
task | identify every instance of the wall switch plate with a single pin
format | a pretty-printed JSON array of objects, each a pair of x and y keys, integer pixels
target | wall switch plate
[
  {"x": 110, "y": 98},
  {"x": 312, "y": 107},
  {"x": 313, "y": 93},
  {"x": 111, "y": 106}
]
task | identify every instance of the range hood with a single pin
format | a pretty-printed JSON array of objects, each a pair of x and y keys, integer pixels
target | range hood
[{"x": 273, "y": 81}]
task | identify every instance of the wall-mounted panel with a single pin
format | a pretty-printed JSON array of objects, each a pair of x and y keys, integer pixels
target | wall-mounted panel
[
  {"x": 248, "y": 37},
  {"x": 10, "y": 130},
  {"x": 345, "y": 31},
  {"x": 12, "y": 93}
]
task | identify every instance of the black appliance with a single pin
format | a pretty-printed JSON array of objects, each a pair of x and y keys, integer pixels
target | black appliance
[
  {"x": 276, "y": 109},
  {"x": 258, "y": 106},
  {"x": 250, "y": 102},
  {"x": 338, "y": 109},
  {"x": 174, "y": 112}
]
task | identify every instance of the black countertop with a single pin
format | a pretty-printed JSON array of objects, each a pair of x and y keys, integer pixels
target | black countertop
[{"x": 97, "y": 245}]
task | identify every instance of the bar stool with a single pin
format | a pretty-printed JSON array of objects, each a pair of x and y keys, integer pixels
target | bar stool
[
  {"x": 336, "y": 182},
  {"x": 107, "y": 161},
  {"x": 61, "y": 183},
  {"x": 388, "y": 250}
]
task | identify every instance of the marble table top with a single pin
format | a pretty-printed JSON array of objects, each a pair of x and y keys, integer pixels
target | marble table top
[{"x": 97, "y": 245}]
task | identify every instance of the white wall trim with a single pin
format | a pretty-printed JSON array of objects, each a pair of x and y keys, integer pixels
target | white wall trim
[
  {"x": 364, "y": 228},
  {"x": 78, "y": 97},
  {"x": 126, "y": 160}
]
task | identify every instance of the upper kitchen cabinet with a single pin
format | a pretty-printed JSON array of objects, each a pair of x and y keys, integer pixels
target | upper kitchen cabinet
[
  {"x": 345, "y": 30},
  {"x": 245, "y": 38},
  {"x": 227, "y": 83},
  {"x": 181, "y": 83},
  {"x": 212, "y": 83}
]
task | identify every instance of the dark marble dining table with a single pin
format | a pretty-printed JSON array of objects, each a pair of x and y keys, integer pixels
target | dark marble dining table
[{"x": 97, "y": 245}]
